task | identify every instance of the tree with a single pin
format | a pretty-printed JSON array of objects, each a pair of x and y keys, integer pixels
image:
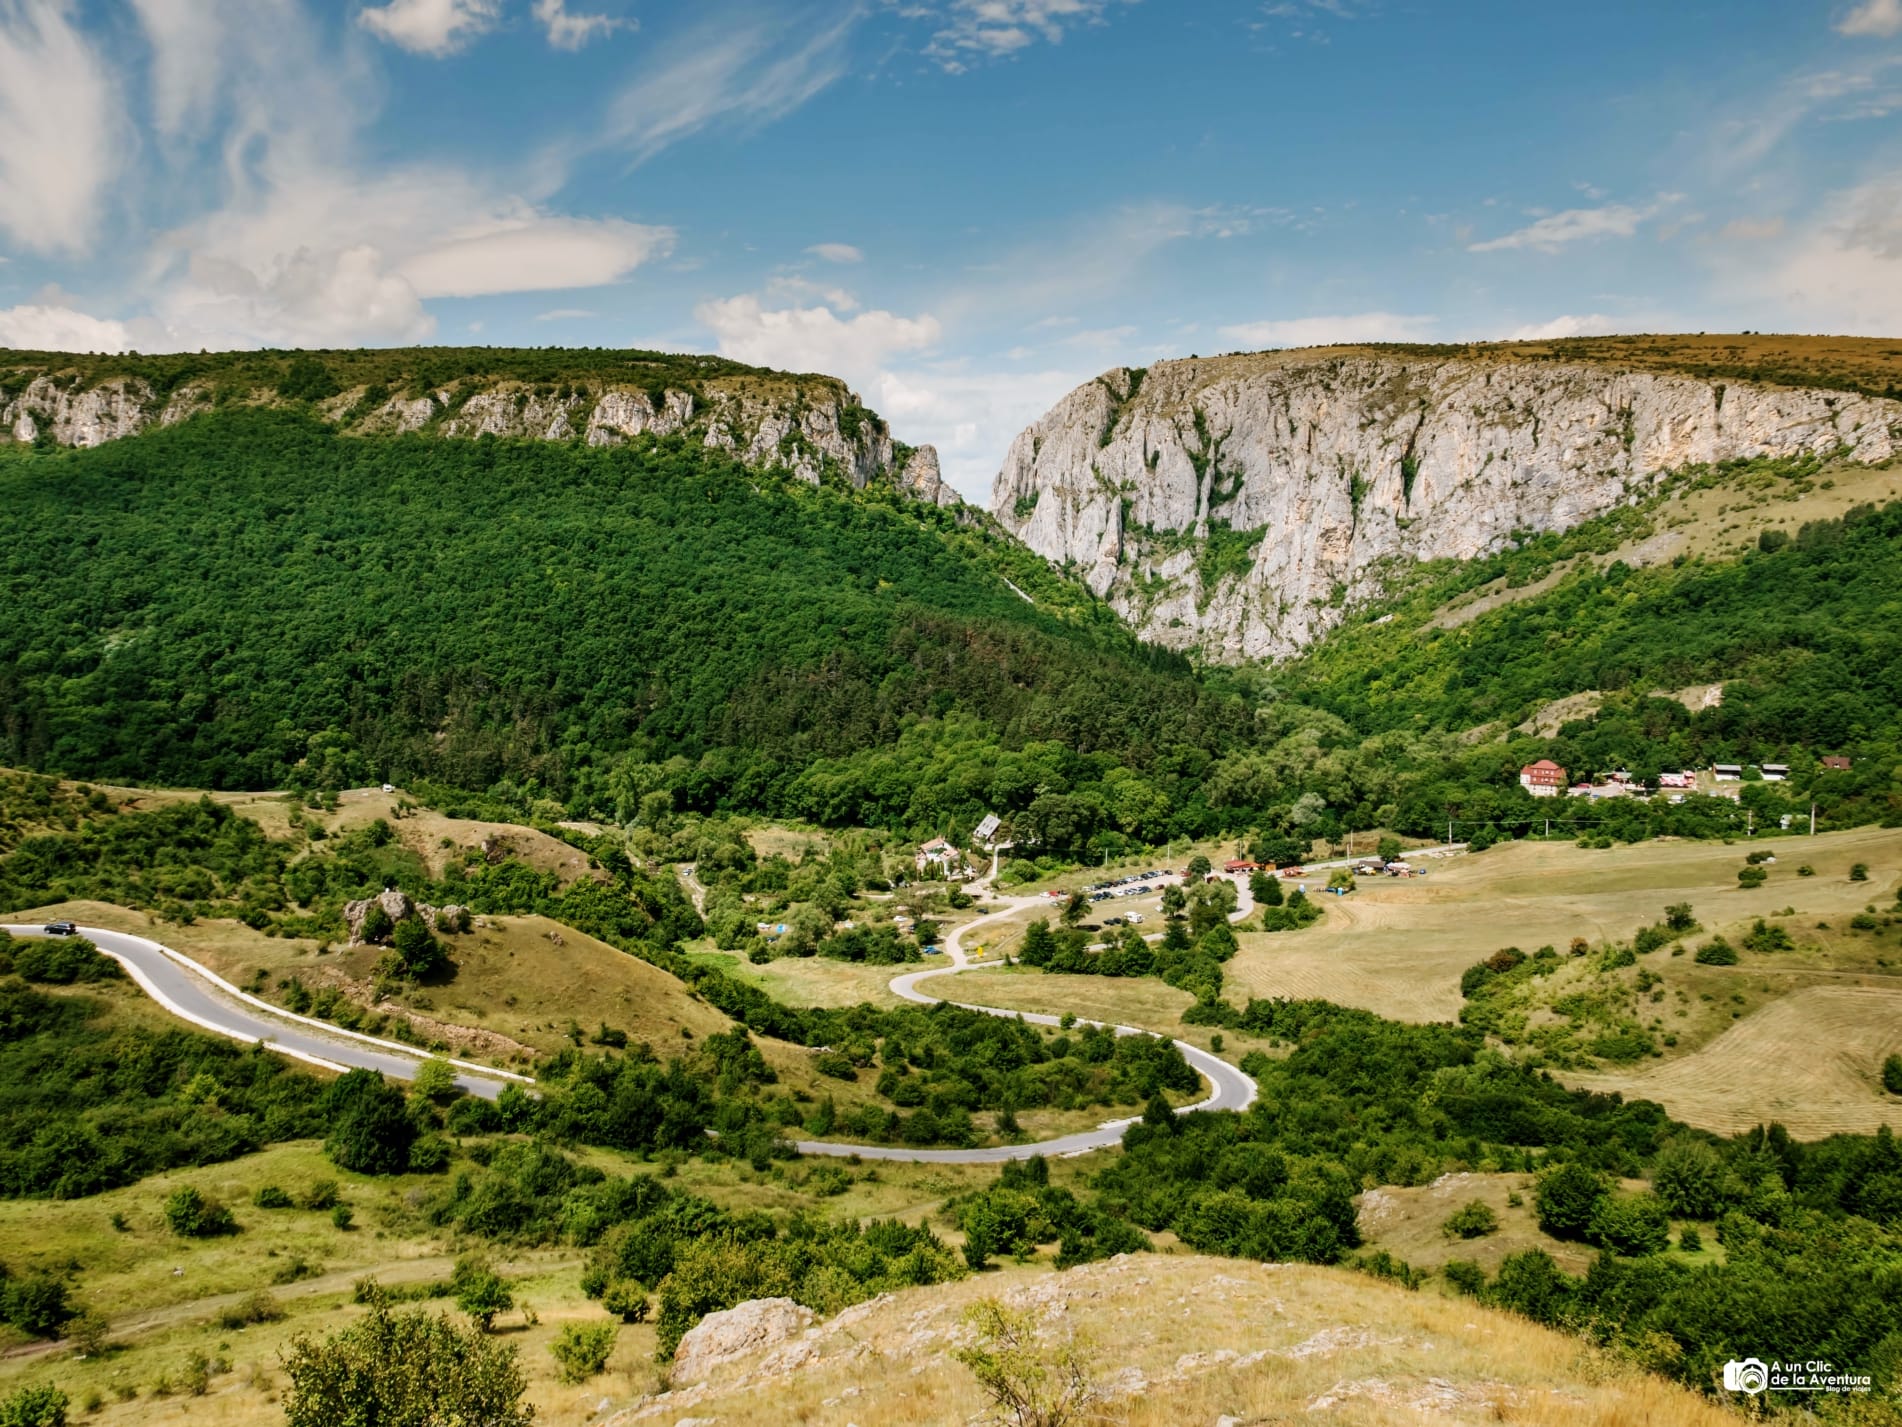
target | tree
[
  {"x": 1173, "y": 900},
  {"x": 1039, "y": 944},
  {"x": 1631, "y": 1224},
  {"x": 1389, "y": 849},
  {"x": 627, "y": 1300},
  {"x": 435, "y": 1080},
  {"x": 1680, "y": 918},
  {"x": 1027, "y": 1384},
  {"x": 377, "y": 925},
  {"x": 1199, "y": 866},
  {"x": 411, "y": 1369},
  {"x": 416, "y": 947},
  {"x": 480, "y": 1291},
  {"x": 1859, "y": 872},
  {"x": 583, "y": 1349},
  {"x": 1892, "y": 1075},
  {"x": 1689, "y": 1178},
  {"x": 1271, "y": 895},
  {"x": 1472, "y": 1220},
  {"x": 1533, "y": 1284},
  {"x": 192, "y": 1215},
  {"x": 1075, "y": 908},
  {"x": 370, "y": 1127},
  {"x": 1566, "y": 1198},
  {"x": 35, "y": 1407}
]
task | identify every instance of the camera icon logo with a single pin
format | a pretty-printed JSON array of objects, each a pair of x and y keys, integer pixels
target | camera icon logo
[{"x": 1751, "y": 1375}]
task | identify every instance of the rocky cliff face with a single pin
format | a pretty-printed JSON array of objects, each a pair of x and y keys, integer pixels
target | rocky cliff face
[
  {"x": 1240, "y": 505},
  {"x": 810, "y": 426}
]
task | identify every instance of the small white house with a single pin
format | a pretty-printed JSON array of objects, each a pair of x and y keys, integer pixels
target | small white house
[
  {"x": 1727, "y": 772},
  {"x": 939, "y": 856},
  {"x": 986, "y": 831},
  {"x": 1775, "y": 772}
]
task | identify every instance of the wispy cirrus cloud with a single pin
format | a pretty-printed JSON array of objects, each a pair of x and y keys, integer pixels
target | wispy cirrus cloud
[
  {"x": 1881, "y": 19},
  {"x": 737, "y": 67},
  {"x": 1575, "y": 225},
  {"x": 569, "y": 31}
]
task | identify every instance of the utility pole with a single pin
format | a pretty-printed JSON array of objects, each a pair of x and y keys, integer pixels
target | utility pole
[
  {"x": 1812, "y": 820},
  {"x": 1449, "y": 830},
  {"x": 1750, "y": 822}
]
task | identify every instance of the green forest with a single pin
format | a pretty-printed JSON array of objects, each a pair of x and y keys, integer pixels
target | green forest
[{"x": 250, "y": 600}]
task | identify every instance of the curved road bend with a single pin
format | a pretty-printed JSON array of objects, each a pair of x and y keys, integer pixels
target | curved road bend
[
  {"x": 192, "y": 993},
  {"x": 1229, "y": 1089}
]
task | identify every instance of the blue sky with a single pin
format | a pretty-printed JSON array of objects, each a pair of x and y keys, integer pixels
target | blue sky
[{"x": 964, "y": 207}]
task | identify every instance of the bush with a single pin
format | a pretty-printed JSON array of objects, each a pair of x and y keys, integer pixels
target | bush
[
  {"x": 1690, "y": 1241},
  {"x": 1689, "y": 1178},
  {"x": 1716, "y": 952},
  {"x": 257, "y": 1307},
  {"x": 1532, "y": 1283},
  {"x": 1892, "y": 1075},
  {"x": 1766, "y": 939},
  {"x": 627, "y": 1300},
  {"x": 1466, "y": 1276},
  {"x": 192, "y": 1215},
  {"x": 1631, "y": 1224},
  {"x": 1566, "y": 1199},
  {"x": 1472, "y": 1220},
  {"x": 1751, "y": 877},
  {"x": 269, "y": 1196},
  {"x": 370, "y": 1128},
  {"x": 583, "y": 1349},
  {"x": 435, "y": 1080},
  {"x": 35, "y": 1303},
  {"x": 1859, "y": 872},
  {"x": 411, "y": 1368},
  {"x": 342, "y": 1215},
  {"x": 35, "y": 1407},
  {"x": 1026, "y": 1383},
  {"x": 480, "y": 1291},
  {"x": 321, "y": 1195}
]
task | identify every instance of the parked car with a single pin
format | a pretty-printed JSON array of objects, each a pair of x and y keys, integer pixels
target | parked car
[
  {"x": 61, "y": 929},
  {"x": 1135, "y": 919},
  {"x": 1114, "y": 922},
  {"x": 1294, "y": 872}
]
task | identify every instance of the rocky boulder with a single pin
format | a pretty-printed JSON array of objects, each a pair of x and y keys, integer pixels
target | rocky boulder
[
  {"x": 398, "y": 907},
  {"x": 720, "y": 1338}
]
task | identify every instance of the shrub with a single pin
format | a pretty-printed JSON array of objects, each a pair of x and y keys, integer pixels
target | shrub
[
  {"x": 1806, "y": 870},
  {"x": 35, "y": 1407},
  {"x": 1766, "y": 938},
  {"x": 838, "y": 1066},
  {"x": 1680, "y": 918},
  {"x": 1532, "y": 1283},
  {"x": 342, "y": 1215},
  {"x": 411, "y": 1367},
  {"x": 1859, "y": 872},
  {"x": 627, "y": 1300},
  {"x": 257, "y": 1307},
  {"x": 1892, "y": 1075},
  {"x": 583, "y": 1349},
  {"x": 1631, "y": 1224},
  {"x": 370, "y": 1129},
  {"x": 192, "y": 1215},
  {"x": 1466, "y": 1276},
  {"x": 1566, "y": 1198},
  {"x": 1689, "y": 1178},
  {"x": 435, "y": 1080},
  {"x": 480, "y": 1291},
  {"x": 1472, "y": 1220},
  {"x": 35, "y": 1303},
  {"x": 1690, "y": 1241},
  {"x": 1028, "y": 1385},
  {"x": 321, "y": 1195},
  {"x": 1716, "y": 952},
  {"x": 269, "y": 1196},
  {"x": 1751, "y": 877}
]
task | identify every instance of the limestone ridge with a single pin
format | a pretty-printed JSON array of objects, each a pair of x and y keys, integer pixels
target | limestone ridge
[
  {"x": 1240, "y": 506},
  {"x": 810, "y": 426}
]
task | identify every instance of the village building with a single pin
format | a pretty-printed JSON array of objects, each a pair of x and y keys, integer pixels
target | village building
[
  {"x": 1544, "y": 779},
  {"x": 1775, "y": 772},
  {"x": 1727, "y": 772},
  {"x": 1686, "y": 779},
  {"x": 940, "y": 857},
  {"x": 1836, "y": 763},
  {"x": 986, "y": 831}
]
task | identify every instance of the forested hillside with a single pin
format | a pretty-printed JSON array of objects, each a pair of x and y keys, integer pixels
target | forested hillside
[{"x": 248, "y": 599}]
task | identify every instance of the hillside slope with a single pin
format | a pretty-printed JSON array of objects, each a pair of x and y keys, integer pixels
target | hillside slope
[
  {"x": 1174, "y": 1340},
  {"x": 1240, "y": 506}
]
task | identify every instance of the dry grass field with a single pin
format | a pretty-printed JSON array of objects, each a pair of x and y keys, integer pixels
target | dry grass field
[
  {"x": 1809, "y": 1059},
  {"x": 1179, "y": 1339},
  {"x": 1398, "y": 947}
]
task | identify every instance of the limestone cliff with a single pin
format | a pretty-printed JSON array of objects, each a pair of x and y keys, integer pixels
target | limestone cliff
[
  {"x": 1240, "y": 505},
  {"x": 811, "y": 426}
]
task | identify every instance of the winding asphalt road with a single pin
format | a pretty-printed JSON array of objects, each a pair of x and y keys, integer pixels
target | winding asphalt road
[
  {"x": 195, "y": 993},
  {"x": 1229, "y": 1089}
]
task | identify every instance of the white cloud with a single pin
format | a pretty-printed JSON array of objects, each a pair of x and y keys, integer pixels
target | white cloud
[
  {"x": 837, "y": 252},
  {"x": 815, "y": 339},
  {"x": 1595, "y": 324},
  {"x": 60, "y": 329},
  {"x": 431, "y": 27},
  {"x": 1555, "y": 230},
  {"x": 562, "y": 314},
  {"x": 1842, "y": 273},
  {"x": 1751, "y": 230},
  {"x": 970, "y": 416},
  {"x": 1880, "y": 18},
  {"x": 59, "y": 128},
  {"x": 728, "y": 70},
  {"x": 530, "y": 252},
  {"x": 989, "y": 29},
  {"x": 571, "y": 32},
  {"x": 1324, "y": 331}
]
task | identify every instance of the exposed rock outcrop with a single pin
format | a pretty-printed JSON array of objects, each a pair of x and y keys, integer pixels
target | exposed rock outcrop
[
  {"x": 1241, "y": 505},
  {"x": 398, "y": 907},
  {"x": 813, "y": 427},
  {"x": 737, "y": 1333}
]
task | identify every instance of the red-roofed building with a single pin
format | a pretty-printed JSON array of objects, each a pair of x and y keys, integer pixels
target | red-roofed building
[{"x": 1544, "y": 779}]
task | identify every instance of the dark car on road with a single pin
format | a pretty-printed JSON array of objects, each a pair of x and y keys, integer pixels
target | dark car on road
[{"x": 61, "y": 929}]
